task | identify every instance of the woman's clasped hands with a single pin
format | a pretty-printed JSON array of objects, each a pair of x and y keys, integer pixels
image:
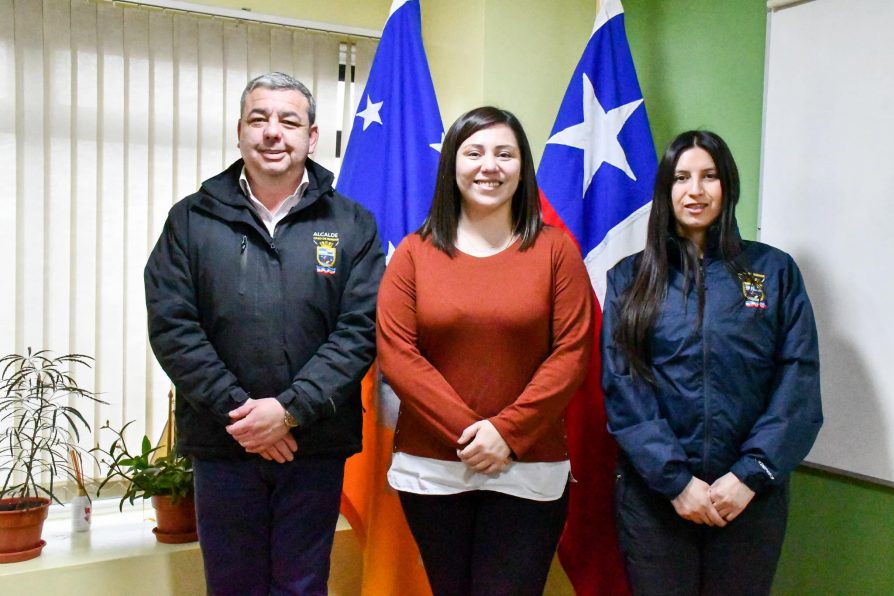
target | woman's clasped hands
[
  {"x": 483, "y": 449},
  {"x": 716, "y": 504}
]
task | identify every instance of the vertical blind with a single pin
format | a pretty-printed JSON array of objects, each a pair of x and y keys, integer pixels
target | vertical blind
[{"x": 108, "y": 115}]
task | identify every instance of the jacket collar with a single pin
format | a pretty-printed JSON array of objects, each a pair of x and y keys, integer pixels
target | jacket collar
[
  {"x": 712, "y": 245},
  {"x": 222, "y": 196}
]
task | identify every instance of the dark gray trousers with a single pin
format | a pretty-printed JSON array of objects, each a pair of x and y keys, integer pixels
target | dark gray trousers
[{"x": 667, "y": 555}]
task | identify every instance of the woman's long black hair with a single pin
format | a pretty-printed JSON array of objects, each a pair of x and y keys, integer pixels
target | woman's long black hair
[
  {"x": 642, "y": 300},
  {"x": 443, "y": 216}
]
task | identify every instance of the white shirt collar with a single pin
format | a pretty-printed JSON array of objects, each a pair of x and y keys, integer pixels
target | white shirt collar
[{"x": 269, "y": 218}]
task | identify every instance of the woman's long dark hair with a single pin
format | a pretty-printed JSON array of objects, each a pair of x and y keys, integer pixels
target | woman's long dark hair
[
  {"x": 642, "y": 300},
  {"x": 443, "y": 216}
]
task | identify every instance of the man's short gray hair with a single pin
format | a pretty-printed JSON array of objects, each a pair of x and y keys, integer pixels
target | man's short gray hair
[{"x": 280, "y": 80}]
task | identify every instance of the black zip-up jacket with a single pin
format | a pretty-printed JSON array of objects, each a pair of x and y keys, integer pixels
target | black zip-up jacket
[{"x": 235, "y": 313}]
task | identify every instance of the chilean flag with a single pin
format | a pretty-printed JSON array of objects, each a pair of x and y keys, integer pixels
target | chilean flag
[{"x": 596, "y": 179}]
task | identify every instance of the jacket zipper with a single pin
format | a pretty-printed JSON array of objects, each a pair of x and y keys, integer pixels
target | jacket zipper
[
  {"x": 243, "y": 264},
  {"x": 707, "y": 413}
]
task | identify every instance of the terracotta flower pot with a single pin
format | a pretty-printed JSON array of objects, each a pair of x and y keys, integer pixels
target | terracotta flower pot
[
  {"x": 20, "y": 529},
  {"x": 176, "y": 522}
]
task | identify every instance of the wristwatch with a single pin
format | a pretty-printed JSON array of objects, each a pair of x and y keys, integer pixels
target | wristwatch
[{"x": 288, "y": 419}]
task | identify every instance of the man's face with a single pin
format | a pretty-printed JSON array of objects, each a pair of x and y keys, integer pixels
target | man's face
[{"x": 275, "y": 136}]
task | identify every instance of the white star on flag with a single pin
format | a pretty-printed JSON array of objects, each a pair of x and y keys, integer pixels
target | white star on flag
[
  {"x": 597, "y": 135},
  {"x": 370, "y": 113},
  {"x": 437, "y": 146},
  {"x": 391, "y": 250}
]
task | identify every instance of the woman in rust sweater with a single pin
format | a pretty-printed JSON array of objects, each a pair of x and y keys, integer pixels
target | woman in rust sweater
[{"x": 484, "y": 332}]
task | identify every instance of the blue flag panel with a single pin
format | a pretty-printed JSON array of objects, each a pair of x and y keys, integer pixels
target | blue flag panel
[{"x": 392, "y": 155}]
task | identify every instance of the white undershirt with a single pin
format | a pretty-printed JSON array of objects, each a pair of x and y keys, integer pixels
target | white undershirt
[
  {"x": 538, "y": 481},
  {"x": 270, "y": 219}
]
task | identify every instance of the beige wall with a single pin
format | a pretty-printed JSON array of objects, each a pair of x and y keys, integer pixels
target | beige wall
[
  {"x": 531, "y": 49},
  {"x": 453, "y": 32},
  {"x": 517, "y": 54}
]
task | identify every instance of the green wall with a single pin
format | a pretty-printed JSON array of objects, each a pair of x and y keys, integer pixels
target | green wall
[
  {"x": 701, "y": 65},
  {"x": 840, "y": 537}
]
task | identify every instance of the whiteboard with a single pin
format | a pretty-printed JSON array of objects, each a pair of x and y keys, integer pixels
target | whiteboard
[{"x": 827, "y": 198}]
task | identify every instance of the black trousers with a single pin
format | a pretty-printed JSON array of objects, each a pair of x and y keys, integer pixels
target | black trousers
[
  {"x": 667, "y": 555},
  {"x": 481, "y": 543}
]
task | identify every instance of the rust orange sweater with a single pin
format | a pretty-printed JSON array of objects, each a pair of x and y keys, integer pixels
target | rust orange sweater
[{"x": 505, "y": 337}]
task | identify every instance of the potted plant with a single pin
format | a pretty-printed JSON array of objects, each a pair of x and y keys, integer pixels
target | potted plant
[
  {"x": 39, "y": 428},
  {"x": 166, "y": 478}
]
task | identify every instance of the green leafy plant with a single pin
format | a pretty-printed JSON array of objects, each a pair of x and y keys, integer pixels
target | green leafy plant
[
  {"x": 146, "y": 473},
  {"x": 39, "y": 426}
]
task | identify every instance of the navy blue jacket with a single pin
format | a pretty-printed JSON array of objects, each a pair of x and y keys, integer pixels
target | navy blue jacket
[
  {"x": 740, "y": 393},
  {"x": 235, "y": 313}
]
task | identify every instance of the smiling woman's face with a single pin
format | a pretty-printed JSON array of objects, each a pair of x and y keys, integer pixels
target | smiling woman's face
[
  {"x": 488, "y": 168},
  {"x": 697, "y": 194}
]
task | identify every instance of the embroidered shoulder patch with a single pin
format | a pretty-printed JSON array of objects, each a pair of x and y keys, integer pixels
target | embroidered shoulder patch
[
  {"x": 753, "y": 290},
  {"x": 327, "y": 254}
]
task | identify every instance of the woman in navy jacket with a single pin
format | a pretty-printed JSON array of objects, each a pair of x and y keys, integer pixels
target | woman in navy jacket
[{"x": 711, "y": 378}]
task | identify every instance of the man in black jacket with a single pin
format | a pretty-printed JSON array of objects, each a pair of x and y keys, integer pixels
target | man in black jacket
[{"x": 261, "y": 294}]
